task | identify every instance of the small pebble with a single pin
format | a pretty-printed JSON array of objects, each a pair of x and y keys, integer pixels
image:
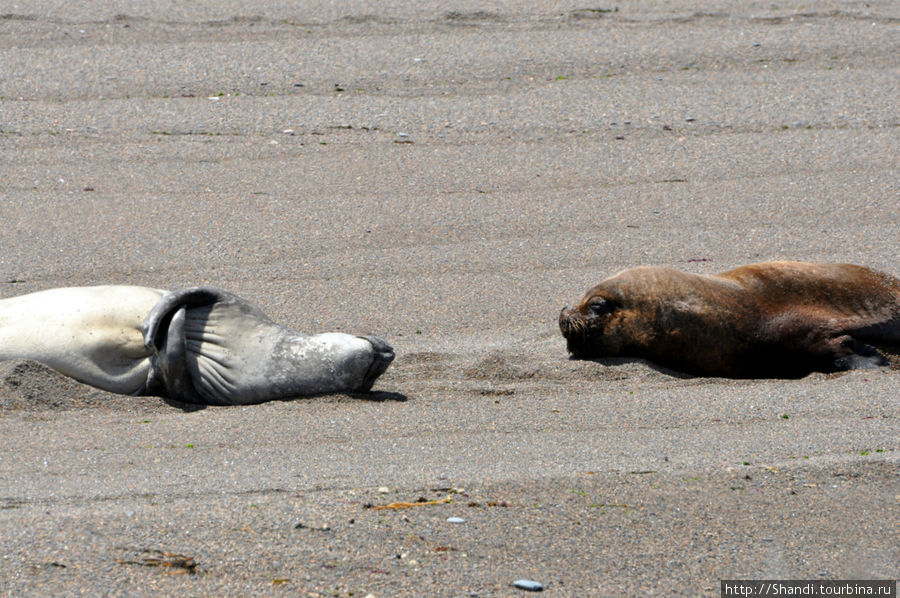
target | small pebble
[
  {"x": 528, "y": 585},
  {"x": 455, "y": 520},
  {"x": 383, "y": 490}
]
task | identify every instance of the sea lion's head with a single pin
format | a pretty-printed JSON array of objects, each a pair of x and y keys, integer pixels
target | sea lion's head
[{"x": 593, "y": 328}]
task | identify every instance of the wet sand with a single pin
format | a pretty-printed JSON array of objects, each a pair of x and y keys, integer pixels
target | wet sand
[{"x": 446, "y": 177}]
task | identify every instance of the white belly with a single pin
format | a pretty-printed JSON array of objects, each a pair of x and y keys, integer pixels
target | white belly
[{"x": 92, "y": 334}]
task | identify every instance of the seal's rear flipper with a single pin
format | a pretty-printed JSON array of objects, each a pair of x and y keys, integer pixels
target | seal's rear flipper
[{"x": 864, "y": 357}]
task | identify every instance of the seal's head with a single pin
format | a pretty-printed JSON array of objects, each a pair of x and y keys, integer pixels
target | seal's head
[
  {"x": 620, "y": 317},
  {"x": 591, "y": 328},
  {"x": 382, "y": 356}
]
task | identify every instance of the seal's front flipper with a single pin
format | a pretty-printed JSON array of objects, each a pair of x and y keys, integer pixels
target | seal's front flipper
[
  {"x": 157, "y": 322},
  {"x": 165, "y": 335}
]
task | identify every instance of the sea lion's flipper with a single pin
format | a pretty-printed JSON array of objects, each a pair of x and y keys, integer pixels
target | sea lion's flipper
[
  {"x": 840, "y": 351},
  {"x": 863, "y": 357}
]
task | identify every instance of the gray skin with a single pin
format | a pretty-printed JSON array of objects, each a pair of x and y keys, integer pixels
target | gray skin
[
  {"x": 200, "y": 345},
  {"x": 773, "y": 319},
  {"x": 212, "y": 347}
]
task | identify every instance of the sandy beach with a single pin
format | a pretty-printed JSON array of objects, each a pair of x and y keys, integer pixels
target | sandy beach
[{"x": 446, "y": 176}]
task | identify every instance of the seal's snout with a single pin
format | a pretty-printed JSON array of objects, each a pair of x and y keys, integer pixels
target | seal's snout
[
  {"x": 381, "y": 348},
  {"x": 382, "y": 356},
  {"x": 574, "y": 327},
  {"x": 565, "y": 320}
]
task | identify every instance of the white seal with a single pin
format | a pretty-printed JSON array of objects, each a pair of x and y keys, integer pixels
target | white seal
[{"x": 198, "y": 345}]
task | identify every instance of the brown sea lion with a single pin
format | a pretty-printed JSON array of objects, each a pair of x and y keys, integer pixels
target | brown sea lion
[{"x": 773, "y": 319}]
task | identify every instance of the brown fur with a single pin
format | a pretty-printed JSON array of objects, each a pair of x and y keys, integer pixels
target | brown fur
[{"x": 773, "y": 319}]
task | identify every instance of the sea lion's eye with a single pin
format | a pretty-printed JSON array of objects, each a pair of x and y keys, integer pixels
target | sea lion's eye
[{"x": 600, "y": 307}]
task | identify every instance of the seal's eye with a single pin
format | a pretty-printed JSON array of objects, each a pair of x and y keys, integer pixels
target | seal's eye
[{"x": 600, "y": 307}]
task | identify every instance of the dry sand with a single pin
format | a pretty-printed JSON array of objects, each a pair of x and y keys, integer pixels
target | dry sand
[{"x": 447, "y": 176}]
